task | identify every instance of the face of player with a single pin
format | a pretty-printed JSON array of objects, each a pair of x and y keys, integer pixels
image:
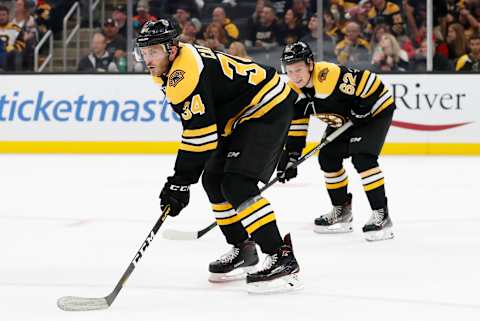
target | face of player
[
  {"x": 299, "y": 73},
  {"x": 156, "y": 59}
]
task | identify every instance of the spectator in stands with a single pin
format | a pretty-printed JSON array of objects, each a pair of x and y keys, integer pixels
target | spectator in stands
[
  {"x": 353, "y": 49},
  {"x": 470, "y": 62},
  {"x": 468, "y": 19},
  {"x": 388, "y": 56},
  {"x": 143, "y": 14},
  {"x": 254, "y": 19},
  {"x": 264, "y": 34},
  {"x": 116, "y": 44},
  {"x": 99, "y": 60},
  {"x": 419, "y": 61},
  {"x": 299, "y": 9},
  {"x": 377, "y": 35},
  {"x": 291, "y": 30},
  {"x": 26, "y": 22},
  {"x": 190, "y": 30},
  {"x": 400, "y": 32},
  {"x": 42, "y": 17},
  {"x": 182, "y": 15},
  {"x": 382, "y": 11},
  {"x": 219, "y": 16},
  {"x": 12, "y": 38},
  {"x": 456, "y": 42},
  {"x": 214, "y": 37},
  {"x": 329, "y": 35},
  {"x": 238, "y": 49},
  {"x": 119, "y": 15},
  {"x": 192, "y": 5}
]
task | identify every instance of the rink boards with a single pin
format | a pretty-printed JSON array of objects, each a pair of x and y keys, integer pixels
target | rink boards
[{"x": 436, "y": 114}]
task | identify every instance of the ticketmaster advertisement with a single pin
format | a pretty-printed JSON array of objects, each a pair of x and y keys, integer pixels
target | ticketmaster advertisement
[{"x": 437, "y": 114}]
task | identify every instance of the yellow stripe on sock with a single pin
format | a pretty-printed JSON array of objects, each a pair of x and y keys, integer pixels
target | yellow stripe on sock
[
  {"x": 373, "y": 185},
  {"x": 261, "y": 222}
]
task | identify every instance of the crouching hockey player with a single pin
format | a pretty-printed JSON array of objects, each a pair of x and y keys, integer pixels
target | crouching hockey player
[
  {"x": 235, "y": 117},
  {"x": 335, "y": 94}
]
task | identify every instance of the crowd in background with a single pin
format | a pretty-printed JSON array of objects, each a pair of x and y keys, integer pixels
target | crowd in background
[{"x": 379, "y": 35}]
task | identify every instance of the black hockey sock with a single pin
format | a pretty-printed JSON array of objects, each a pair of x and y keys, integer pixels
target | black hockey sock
[
  {"x": 372, "y": 179},
  {"x": 337, "y": 186}
]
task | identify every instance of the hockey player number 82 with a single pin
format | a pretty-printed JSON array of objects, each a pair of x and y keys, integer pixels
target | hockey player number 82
[{"x": 255, "y": 73}]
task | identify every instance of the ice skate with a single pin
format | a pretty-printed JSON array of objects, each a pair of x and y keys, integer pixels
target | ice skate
[
  {"x": 338, "y": 220},
  {"x": 279, "y": 273},
  {"x": 379, "y": 226},
  {"x": 235, "y": 264}
]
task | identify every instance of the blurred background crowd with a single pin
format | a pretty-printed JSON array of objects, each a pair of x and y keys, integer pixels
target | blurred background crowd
[{"x": 379, "y": 35}]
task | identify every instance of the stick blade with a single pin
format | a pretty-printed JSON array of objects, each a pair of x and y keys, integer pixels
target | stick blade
[
  {"x": 75, "y": 303},
  {"x": 171, "y": 234}
]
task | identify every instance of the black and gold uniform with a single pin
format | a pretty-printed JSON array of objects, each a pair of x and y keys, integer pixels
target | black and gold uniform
[
  {"x": 235, "y": 116},
  {"x": 338, "y": 92}
]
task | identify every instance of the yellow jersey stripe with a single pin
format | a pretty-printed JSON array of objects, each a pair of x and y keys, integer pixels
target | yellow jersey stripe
[
  {"x": 373, "y": 185},
  {"x": 301, "y": 121},
  {"x": 363, "y": 81},
  {"x": 199, "y": 132},
  {"x": 222, "y": 207},
  {"x": 387, "y": 103},
  {"x": 337, "y": 185},
  {"x": 373, "y": 87},
  {"x": 268, "y": 86},
  {"x": 261, "y": 222},
  {"x": 274, "y": 102},
  {"x": 298, "y": 133},
  {"x": 198, "y": 149}
]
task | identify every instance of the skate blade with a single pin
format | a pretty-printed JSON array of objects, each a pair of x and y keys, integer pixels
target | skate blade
[
  {"x": 334, "y": 228},
  {"x": 235, "y": 275},
  {"x": 284, "y": 284},
  {"x": 385, "y": 234}
]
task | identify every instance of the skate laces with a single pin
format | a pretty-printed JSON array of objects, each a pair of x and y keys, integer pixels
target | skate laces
[
  {"x": 269, "y": 261},
  {"x": 377, "y": 216},
  {"x": 230, "y": 255},
  {"x": 335, "y": 213}
]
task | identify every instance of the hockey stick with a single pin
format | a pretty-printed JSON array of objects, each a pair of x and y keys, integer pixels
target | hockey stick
[
  {"x": 173, "y": 234},
  {"x": 75, "y": 303}
]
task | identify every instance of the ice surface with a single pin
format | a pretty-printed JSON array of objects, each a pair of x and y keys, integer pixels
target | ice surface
[{"x": 69, "y": 225}]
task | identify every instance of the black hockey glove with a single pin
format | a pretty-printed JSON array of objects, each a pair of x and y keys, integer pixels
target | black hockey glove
[
  {"x": 287, "y": 159},
  {"x": 358, "y": 118},
  {"x": 175, "y": 195}
]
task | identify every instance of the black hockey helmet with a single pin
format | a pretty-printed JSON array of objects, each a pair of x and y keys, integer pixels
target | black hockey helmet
[
  {"x": 164, "y": 31},
  {"x": 298, "y": 51}
]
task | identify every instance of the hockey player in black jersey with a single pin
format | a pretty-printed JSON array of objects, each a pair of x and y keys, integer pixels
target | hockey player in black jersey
[
  {"x": 235, "y": 116},
  {"x": 335, "y": 94}
]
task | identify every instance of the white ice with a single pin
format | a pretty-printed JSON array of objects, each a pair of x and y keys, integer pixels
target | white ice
[{"x": 69, "y": 225}]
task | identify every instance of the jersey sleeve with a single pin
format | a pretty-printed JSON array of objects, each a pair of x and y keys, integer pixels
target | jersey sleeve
[
  {"x": 199, "y": 136},
  {"x": 371, "y": 94},
  {"x": 298, "y": 131}
]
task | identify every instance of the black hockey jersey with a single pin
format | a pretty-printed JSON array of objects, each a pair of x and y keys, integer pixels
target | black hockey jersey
[
  {"x": 336, "y": 91},
  {"x": 214, "y": 93}
]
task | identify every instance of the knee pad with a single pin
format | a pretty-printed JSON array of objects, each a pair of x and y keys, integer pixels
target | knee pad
[
  {"x": 237, "y": 188},
  {"x": 363, "y": 162},
  {"x": 328, "y": 163},
  {"x": 212, "y": 185}
]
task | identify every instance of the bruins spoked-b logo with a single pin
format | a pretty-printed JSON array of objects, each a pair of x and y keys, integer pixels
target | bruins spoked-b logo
[
  {"x": 176, "y": 77},
  {"x": 333, "y": 120},
  {"x": 322, "y": 75}
]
